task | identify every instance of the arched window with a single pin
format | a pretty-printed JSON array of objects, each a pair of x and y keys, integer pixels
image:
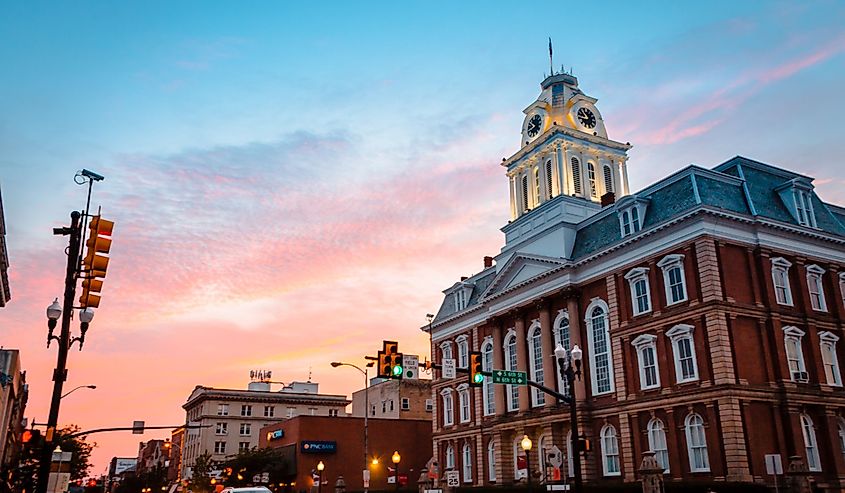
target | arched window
[
  {"x": 561, "y": 333},
  {"x": 450, "y": 457},
  {"x": 542, "y": 451},
  {"x": 511, "y": 365},
  {"x": 610, "y": 451},
  {"x": 463, "y": 403},
  {"x": 446, "y": 351},
  {"x": 524, "y": 192},
  {"x": 535, "y": 361},
  {"x": 448, "y": 407},
  {"x": 491, "y": 461},
  {"x": 570, "y": 462},
  {"x": 591, "y": 176},
  {"x": 657, "y": 443},
  {"x": 463, "y": 352},
  {"x": 683, "y": 349},
  {"x": 466, "y": 463},
  {"x": 576, "y": 175},
  {"x": 696, "y": 444},
  {"x": 608, "y": 178},
  {"x": 840, "y": 425},
  {"x": 488, "y": 390},
  {"x": 601, "y": 361},
  {"x": 810, "y": 444},
  {"x": 549, "y": 179},
  {"x": 518, "y": 471}
]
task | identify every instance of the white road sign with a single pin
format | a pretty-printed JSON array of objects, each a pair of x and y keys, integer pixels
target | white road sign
[
  {"x": 555, "y": 456},
  {"x": 453, "y": 480},
  {"x": 773, "y": 465},
  {"x": 411, "y": 364},
  {"x": 449, "y": 370}
]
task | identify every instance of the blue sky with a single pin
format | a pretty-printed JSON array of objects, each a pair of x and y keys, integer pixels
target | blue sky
[{"x": 275, "y": 165}]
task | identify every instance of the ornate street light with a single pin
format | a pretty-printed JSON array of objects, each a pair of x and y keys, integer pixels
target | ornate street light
[{"x": 569, "y": 363}]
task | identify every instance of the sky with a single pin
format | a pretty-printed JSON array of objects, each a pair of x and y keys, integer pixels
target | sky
[{"x": 291, "y": 184}]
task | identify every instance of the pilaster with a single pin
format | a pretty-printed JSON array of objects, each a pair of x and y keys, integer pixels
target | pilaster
[
  {"x": 498, "y": 362},
  {"x": 522, "y": 362},
  {"x": 719, "y": 342},
  {"x": 549, "y": 367},
  {"x": 708, "y": 270},
  {"x": 733, "y": 440}
]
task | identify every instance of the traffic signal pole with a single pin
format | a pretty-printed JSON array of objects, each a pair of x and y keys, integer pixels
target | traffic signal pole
[{"x": 60, "y": 373}]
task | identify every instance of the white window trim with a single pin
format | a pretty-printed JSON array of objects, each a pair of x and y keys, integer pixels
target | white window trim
[
  {"x": 827, "y": 344},
  {"x": 604, "y": 454},
  {"x": 491, "y": 461},
  {"x": 488, "y": 404},
  {"x": 842, "y": 288},
  {"x": 464, "y": 403},
  {"x": 448, "y": 410},
  {"x": 666, "y": 264},
  {"x": 633, "y": 276},
  {"x": 626, "y": 206},
  {"x": 840, "y": 428},
  {"x": 810, "y": 440},
  {"x": 537, "y": 397},
  {"x": 463, "y": 357},
  {"x": 598, "y": 302},
  {"x": 466, "y": 463},
  {"x": 450, "y": 457},
  {"x": 561, "y": 316},
  {"x": 677, "y": 334},
  {"x": 781, "y": 264},
  {"x": 815, "y": 275},
  {"x": 510, "y": 405},
  {"x": 642, "y": 342},
  {"x": 654, "y": 426},
  {"x": 690, "y": 453},
  {"x": 446, "y": 347},
  {"x": 795, "y": 334}
]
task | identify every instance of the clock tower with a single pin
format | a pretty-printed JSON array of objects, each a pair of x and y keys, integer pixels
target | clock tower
[{"x": 565, "y": 160}]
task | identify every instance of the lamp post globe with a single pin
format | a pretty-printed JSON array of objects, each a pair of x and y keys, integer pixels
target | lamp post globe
[
  {"x": 320, "y": 466},
  {"x": 54, "y": 311},
  {"x": 86, "y": 315},
  {"x": 526, "y": 443},
  {"x": 396, "y": 457},
  {"x": 577, "y": 353}
]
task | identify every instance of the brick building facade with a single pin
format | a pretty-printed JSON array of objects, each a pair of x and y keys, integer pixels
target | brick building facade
[{"x": 709, "y": 308}]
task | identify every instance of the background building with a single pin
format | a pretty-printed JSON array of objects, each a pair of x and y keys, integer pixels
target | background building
[
  {"x": 397, "y": 399},
  {"x": 174, "y": 469},
  {"x": 235, "y": 416},
  {"x": 153, "y": 455},
  {"x": 339, "y": 444},
  {"x": 14, "y": 393},
  {"x": 709, "y": 307}
]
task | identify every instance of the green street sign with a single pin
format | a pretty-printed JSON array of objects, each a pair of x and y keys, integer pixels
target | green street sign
[{"x": 510, "y": 377}]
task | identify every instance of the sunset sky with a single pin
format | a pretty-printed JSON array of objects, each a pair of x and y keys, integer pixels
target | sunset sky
[{"x": 291, "y": 184}]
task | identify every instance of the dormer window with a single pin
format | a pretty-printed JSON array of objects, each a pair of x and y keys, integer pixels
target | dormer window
[
  {"x": 814, "y": 284},
  {"x": 631, "y": 211},
  {"x": 780, "y": 278},
  {"x": 460, "y": 300},
  {"x": 797, "y": 195},
  {"x": 640, "y": 295},
  {"x": 804, "y": 208}
]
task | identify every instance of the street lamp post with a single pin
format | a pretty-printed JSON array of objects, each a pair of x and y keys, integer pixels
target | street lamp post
[
  {"x": 320, "y": 467},
  {"x": 526, "y": 444},
  {"x": 569, "y": 363},
  {"x": 77, "y": 388},
  {"x": 396, "y": 458},
  {"x": 365, "y": 372}
]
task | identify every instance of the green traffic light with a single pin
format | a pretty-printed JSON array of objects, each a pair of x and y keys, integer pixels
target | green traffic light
[
  {"x": 397, "y": 370},
  {"x": 478, "y": 378}
]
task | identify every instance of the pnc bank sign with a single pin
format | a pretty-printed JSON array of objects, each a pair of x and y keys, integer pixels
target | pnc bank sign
[
  {"x": 314, "y": 447},
  {"x": 275, "y": 435}
]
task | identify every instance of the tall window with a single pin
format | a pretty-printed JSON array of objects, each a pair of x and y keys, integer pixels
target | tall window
[
  {"x": 246, "y": 429},
  {"x": 640, "y": 295},
  {"x": 524, "y": 192},
  {"x": 561, "y": 334},
  {"x": 488, "y": 388},
  {"x": 446, "y": 351},
  {"x": 448, "y": 407},
  {"x": 591, "y": 175},
  {"x": 629, "y": 219},
  {"x": 673, "y": 278},
  {"x": 608, "y": 178},
  {"x": 814, "y": 284},
  {"x": 842, "y": 287},
  {"x": 804, "y": 208},
  {"x": 549, "y": 179},
  {"x": 610, "y": 451},
  {"x": 222, "y": 409},
  {"x": 683, "y": 346},
  {"x": 463, "y": 403},
  {"x": 601, "y": 361},
  {"x": 269, "y": 411},
  {"x": 491, "y": 461},
  {"x": 827, "y": 341},
  {"x": 246, "y": 410},
  {"x": 535, "y": 358},
  {"x": 576, "y": 175},
  {"x": 511, "y": 365},
  {"x": 696, "y": 444},
  {"x": 243, "y": 446},
  {"x": 221, "y": 429},
  {"x": 450, "y": 457},
  {"x": 780, "y": 278},
  {"x": 647, "y": 358},
  {"x": 840, "y": 427},
  {"x": 570, "y": 461},
  {"x": 537, "y": 181},
  {"x": 219, "y": 447},
  {"x": 794, "y": 354},
  {"x": 811, "y": 446},
  {"x": 463, "y": 352},
  {"x": 466, "y": 463},
  {"x": 635, "y": 219},
  {"x": 460, "y": 299},
  {"x": 657, "y": 443}
]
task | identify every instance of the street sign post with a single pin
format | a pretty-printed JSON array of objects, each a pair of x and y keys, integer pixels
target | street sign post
[
  {"x": 774, "y": 467},
  {"x": 137, "y": 427},
  {"x": 448, "y": 368},
  {"x": 510, "y": 377}
]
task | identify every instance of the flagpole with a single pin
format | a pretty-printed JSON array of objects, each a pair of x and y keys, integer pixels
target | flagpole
[{"x": 551, "y": 65}]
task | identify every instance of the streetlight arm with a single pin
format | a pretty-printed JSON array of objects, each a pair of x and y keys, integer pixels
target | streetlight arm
[
  {"x": 77, "y": 388},
  {"x": 337, "y": 364}
]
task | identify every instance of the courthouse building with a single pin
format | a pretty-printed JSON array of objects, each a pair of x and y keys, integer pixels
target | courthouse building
[{"x": 709, "y": 307}]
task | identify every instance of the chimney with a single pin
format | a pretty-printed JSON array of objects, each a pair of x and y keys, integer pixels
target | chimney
[
  {"x": 608, "y": 199},
  {"x": 488, "y": 262},
  {"x": 464, "y": 278}
]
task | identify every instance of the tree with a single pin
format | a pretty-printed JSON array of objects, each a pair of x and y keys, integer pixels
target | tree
[
  {"x": 240, "y": 469},
  {"x": 201, "y": 473},
  {"x": 23, "y": 475}
]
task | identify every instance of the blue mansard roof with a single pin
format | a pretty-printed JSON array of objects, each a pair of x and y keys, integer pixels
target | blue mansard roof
[{"x": 739, "y": 186}]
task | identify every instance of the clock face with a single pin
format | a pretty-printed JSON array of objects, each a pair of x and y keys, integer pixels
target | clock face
[
  {"x": 587, "y": 118},
  {"x": 534, "y": 125}
]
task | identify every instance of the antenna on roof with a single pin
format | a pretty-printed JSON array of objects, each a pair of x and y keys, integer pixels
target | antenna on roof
[
  {"x": 551, "y": 65},
  {"x": 309, "y": 374}
]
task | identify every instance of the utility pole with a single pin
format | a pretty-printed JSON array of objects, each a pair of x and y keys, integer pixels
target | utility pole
[{"x": 60, "y": 373}]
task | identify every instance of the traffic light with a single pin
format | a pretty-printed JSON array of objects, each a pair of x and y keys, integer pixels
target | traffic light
[
  {"x": 396, "y": 368},
  {"x": 476, "y": 378},
  {"x": 383, "y": 365},
  {"x": 585, "y": 445},
  {"x": 96, "y": 261},
  {"x": 32, "y": 439},
  {"x": 390, "y": 361}
]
